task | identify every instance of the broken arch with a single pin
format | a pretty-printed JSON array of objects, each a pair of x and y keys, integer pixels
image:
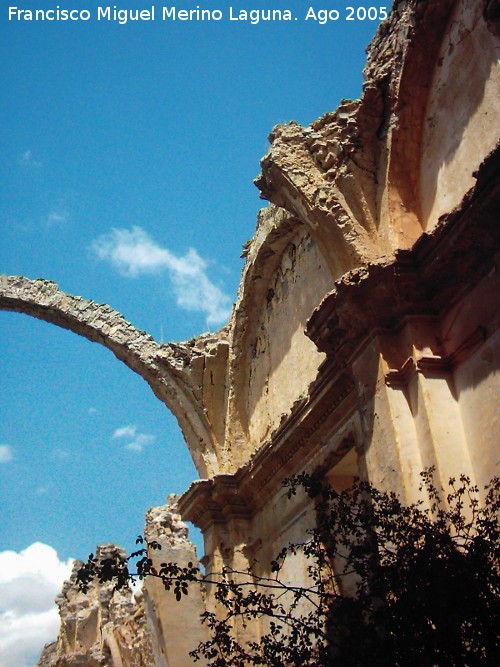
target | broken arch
[{"x": 163, "y": 367}]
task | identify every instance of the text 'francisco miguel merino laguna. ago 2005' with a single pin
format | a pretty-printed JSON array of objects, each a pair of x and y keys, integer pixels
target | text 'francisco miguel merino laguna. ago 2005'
[{"x": 197, "y": 14}]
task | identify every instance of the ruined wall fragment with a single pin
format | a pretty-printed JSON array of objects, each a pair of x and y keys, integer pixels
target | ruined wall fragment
[
  {"x": 104, "y": 627},
  {"x": 175, "y": 625},
  {"x": 100, "y": 628}
]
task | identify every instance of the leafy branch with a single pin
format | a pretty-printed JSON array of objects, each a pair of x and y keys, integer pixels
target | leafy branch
[{"x": 390, "y": 584}]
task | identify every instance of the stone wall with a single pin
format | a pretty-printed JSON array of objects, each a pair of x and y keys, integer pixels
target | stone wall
[
  {"x": 175, "y": 626},
  {"x": 100, "y": 628},
  {"x": 460, "y": 115}
]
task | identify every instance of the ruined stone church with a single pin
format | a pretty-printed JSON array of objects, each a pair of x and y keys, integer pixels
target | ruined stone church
[{"x": 364, "y": 341}]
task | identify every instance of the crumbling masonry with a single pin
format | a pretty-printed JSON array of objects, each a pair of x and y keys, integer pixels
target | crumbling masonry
[{"x": 364, "y": 341}]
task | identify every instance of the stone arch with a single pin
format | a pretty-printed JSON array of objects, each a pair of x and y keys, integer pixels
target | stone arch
[
  {"x": 410, "y": 92},
  {"x": 279, "y": 289},
  {"x": 163, "y": 367},
  {"x": 442, "y": 93}
]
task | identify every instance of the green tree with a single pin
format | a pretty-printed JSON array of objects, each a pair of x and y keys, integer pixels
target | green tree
[{"x": 391, "y": 584}]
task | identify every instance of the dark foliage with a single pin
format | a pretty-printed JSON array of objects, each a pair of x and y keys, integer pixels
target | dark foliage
[{"x": 390, "y": 585}]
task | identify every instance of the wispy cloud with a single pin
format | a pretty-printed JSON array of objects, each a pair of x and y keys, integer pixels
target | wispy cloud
[
  {"x": 136, "y": 441},
  {"x": 29, "y": 581},
  {"x": 139, "y": 442},
  {"x": 132, "y": 252},
  {"x": 27, "y": 161},
  {"x": 56, "y": 217},
  {"x": 125, "y": 432},
  {"x": 6, "y": 454}
]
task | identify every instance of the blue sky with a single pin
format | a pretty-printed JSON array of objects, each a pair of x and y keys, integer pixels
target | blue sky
[{"x": 155, "y": 131}]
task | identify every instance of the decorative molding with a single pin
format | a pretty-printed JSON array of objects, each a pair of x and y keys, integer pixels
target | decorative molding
[
  {"x": 435, "y": 365},
  {"x": 400, "y": 379},
  {"x": 241, "y": 495},
  {"x": 424, "y": 280}
]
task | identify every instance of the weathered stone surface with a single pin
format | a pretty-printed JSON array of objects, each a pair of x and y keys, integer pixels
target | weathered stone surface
[
  {"x": 175, "y": 625},
  {"x": 150, "y": 628},
  {"x": 100, "y": 628}
]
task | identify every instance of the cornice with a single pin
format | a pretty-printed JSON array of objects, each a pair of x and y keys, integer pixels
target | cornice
[
  {"x": 241, "y": 495},
  {"x": 425, "y": 280},
  {"x": 430, "y": 366}
]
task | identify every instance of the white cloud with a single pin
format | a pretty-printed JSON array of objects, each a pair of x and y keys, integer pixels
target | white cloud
[
  {"x": 92, "y": 411},
  {"x": 6, "y": 454},
  {"x": 137, "y": 441},
  {"x": 29, "y": 581},
  {"x": 133, "y": 253},
  {"x": 26, "y": 160},
  {"x": 125, "y": 432}
]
